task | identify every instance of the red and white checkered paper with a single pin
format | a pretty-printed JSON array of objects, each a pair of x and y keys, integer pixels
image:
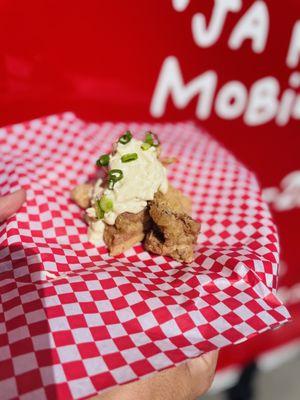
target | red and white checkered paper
[{"x": 75, "y": 321}]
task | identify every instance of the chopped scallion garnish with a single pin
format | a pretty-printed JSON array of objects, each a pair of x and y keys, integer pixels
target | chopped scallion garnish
[
  {"x": 103, "y": 161},
  {"x": 125, "y": 138},
  {"x": 129, "y": 157},
  {"x": 149, "y": 140},
  {"x": 99, "y": 211},
  {"x": 114, "y": 176},
  {"x": 106, "y": 204},
  {"x": 145, "y": 146}
]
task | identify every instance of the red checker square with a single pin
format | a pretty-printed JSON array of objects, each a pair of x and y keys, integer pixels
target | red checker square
[
  {"x": 126, "y": 288},
  {"x": 232, "y": 318},
  {"x": 232, "y": 303},
  {"x": 155, "y": 333},
  {"x": 89, "y": 308},
  {"x": 98, "y": 295},
  {"x": 209, "y": 313},
  {"x": 108, "y": 283},
  {"x": 114, "y": 360},
  {"x": 74, "y": 239},
  {"x": 54, "y": 311},
  {"x": 168, "y": 300},
  {"x": 36, "y": 233},
  {"x": 47, "y": 357},
  {"x": 74, "y": 370},
  {"x": 29, "y": 381},
  {"x": 77, "y": 321},
  {"x": 110, "y": 317},
  {"x": 132, "y": 326},
  {"x": 231, "y": 291},
  {"x": 140, "y": 308},
  {"x": 58, "y": 391},
  {"x": 63, "y": 338},
  {"x": 254, "y": 306},
  {"x": 79, "y": 286},
  {"x": 47, "y": 224},
  {"x": 38, "y": 328},
  {"x": 149, "y": 349},
  {"x": 72, "y": 259},
  {"x": 23, "y": 225},
  {"x": 66, "y": 298},
  {"x": 12, "y": 303},
  {"x": 33, "y": 305},
  {"x": 3, "y": 339},
  {"x": 47, "y": 292},
  {"x": 60, "y": 231},
  {"x": 179, "y": 341},
  {"x": 43, "y": 207},
  {"x": 162, "y": 315},
  {"x": 16, "y": 322},
  {"x": 185, "y": 323},
  {"x": 142, "y": 367},
  {"x": 232, "y": 335},
  {"x": 275, "y": 314},
  {"x": 133, "y": 258},
  {"x": 102, "y": 381},
  {"x": 207, "y": 331},
  {"x": 270, "y": 256},
  {"x": 21, "y": 347},
  {"x": 119, "y": 303},
  {"x": 124, "y": 342},
  {"x": 6, "y": 369},
  {"x": 88, "y": 350},
  {"x": 99, "y": 332},
  {"x": 256, "y": 323},
  {"x": 175, "y": 355}
]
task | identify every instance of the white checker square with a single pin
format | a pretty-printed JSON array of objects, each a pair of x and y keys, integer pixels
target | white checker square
[
  {"x": 82, "y": 335},
  {"x": 68, "y": 353}
]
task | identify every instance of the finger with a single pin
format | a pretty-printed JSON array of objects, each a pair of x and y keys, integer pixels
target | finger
[
  {"x": 11, "y": 203},
  {"x": 211, "y": 358},
  {"x": 202, "y": 372}
]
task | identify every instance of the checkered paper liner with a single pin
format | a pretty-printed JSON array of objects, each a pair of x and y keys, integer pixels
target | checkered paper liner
[{"x": 75, "y": 321}]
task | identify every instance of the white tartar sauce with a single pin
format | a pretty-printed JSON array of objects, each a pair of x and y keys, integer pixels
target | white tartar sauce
[{"x": 142, "y": 178}]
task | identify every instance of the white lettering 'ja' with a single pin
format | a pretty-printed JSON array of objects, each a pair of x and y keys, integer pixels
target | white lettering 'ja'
[
  {"x": 206, "y": 34},
  {"x": 254, "y": 25}
]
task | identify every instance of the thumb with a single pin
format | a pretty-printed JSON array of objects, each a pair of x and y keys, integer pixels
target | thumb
[{"x": 11, "y": 203}]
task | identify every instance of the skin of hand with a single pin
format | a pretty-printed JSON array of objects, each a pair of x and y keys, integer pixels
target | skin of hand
[
  {"x": 11, "y": 203},
  {"x": 185, "y": 382}
]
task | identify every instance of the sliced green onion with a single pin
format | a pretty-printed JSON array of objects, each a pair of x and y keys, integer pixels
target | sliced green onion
[
  {"x": 125, "y": 138},
  {"x": 103, "y": 161},
  {"x": 106, "y": 204},
  {"x": 145, "y": 146},
  {"x": 111, "y": 184},
  {"x": 129, "y": 157},
  {"x": 99, "y": 211},
  {"x": 114, "y": 175},
  {"x": 149, "y": 138}
]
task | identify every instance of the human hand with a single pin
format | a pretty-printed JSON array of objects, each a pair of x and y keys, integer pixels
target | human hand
[
  {"x": 185, "y": 382},
  {"x": 11, "y": 203}
]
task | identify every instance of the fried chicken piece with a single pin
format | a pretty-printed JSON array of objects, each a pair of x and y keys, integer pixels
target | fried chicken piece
[
  {"x": 81, "y": 194},
  {"x": 174, "y": 232},
  {"x": 128, "y": 230},
  {"x": 177, "y": 201}
]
